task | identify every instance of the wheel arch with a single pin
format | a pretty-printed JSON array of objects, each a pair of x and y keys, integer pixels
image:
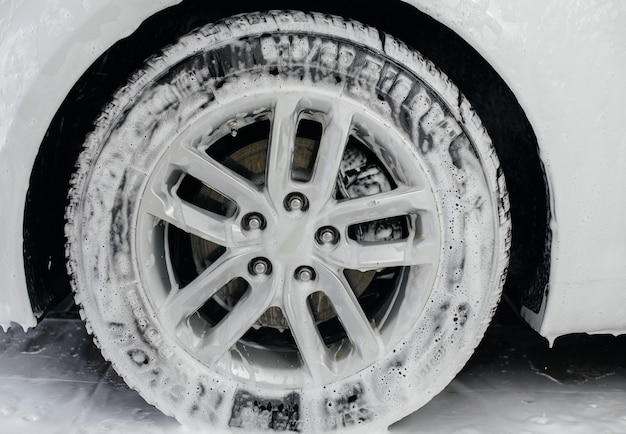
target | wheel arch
[{"x": 491, "y": 97}]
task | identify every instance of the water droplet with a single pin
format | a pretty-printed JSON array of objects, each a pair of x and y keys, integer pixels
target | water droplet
[{"x": 233, "y": 128}]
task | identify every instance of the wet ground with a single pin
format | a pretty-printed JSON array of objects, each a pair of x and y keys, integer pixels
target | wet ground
[{"x": 53, "y": 380}]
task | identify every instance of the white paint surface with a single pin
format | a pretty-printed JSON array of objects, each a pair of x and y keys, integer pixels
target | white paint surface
[
  {"x": 45, "y": 45},
  {"x": 565, "y": 62}
]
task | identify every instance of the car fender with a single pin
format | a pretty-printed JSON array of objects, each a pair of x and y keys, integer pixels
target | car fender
[
  {"x": 565, "y": 62},
  {"x": 45, "y": 46}
]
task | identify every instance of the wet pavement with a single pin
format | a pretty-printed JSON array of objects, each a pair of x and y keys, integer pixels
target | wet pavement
[
  {"x": 514, "y": 383},
  {"x": 54, "y": 380}
]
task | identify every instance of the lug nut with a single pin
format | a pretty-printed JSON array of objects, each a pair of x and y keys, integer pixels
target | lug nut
[
  {"x": 253, "y": 221},
  {"x": 305, "y": 274},
  {"x": 296, "y": 202},
  {"x": 260, "y": 266},
  {"x": 327, "y": 235}
]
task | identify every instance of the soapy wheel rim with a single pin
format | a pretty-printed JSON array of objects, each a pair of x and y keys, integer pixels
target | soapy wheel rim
[{"x": 233, "y": 304}]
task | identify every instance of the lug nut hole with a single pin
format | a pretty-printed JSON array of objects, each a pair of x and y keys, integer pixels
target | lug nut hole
[
  {"x": 296, "y": 202},
  {"x": 253, "y": 221},
  {"x": 260, "y": 266},
  {"x": 327, "y": 235},
  {"x": 305, "y": 274}
]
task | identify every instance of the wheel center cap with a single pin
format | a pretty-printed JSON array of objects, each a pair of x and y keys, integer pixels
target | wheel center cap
[{"x": 292, "y": 239}]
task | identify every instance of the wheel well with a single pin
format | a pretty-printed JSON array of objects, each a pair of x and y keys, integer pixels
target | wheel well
[{"x": 508, "y": 126}]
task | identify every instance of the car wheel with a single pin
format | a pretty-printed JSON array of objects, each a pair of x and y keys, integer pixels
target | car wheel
[{"x": 289, "y": 221}]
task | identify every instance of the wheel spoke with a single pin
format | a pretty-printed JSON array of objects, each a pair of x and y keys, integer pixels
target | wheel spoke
[
  {"x": 365, "y": 340},
  {"x": 393, "y": 203},
  {"x": 281, "y": 147},
  {"x": 329, "y": 156},
  {"x": 364, "y": 257},
  {"x": 220, "y": 339},
  {"x": 313, "y": 351},
  {"x": 166, "y": 206},
  {"x": 184, "y": 302},
  {"x": 226, "y": 182}
]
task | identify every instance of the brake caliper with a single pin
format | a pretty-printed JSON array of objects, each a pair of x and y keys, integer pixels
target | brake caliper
[{"x": 361, "y": 177}]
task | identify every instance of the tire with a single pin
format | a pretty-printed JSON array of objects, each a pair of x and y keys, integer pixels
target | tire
[{"x": 288, "y": 221}]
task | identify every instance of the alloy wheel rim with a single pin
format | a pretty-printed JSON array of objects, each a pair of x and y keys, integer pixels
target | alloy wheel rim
[{"x": 287, "y": 239}]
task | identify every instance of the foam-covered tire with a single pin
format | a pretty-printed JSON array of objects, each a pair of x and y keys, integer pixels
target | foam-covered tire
[{"x": 429, "y": 180}]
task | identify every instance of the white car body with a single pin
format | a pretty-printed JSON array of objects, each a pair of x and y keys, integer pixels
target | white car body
[{"x": 564, "y": 61}]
